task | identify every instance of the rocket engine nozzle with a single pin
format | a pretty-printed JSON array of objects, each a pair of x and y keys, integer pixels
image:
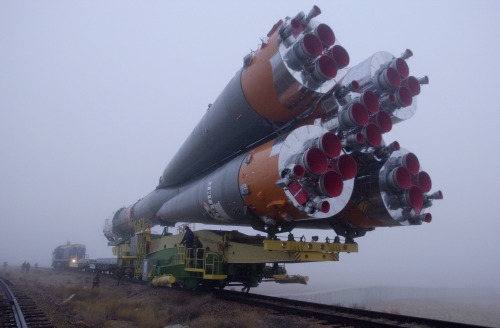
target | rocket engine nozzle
[
  {"x": 292, "y": 173},
  {"x": 324, "y": 69},
  {"x": 418, "y": 219},
  {"x": 411, "y": 198},
  {"x": 423, "y": 80},
  {"x": 370, "y": 100},
  {"x": 340, "y": 55},
  {"x": 436, "y": 195},
  {"x": 414, "y": 218},
  {"x": 325, "y": 35},
  {"x": 343, "y": 91},
  {"x": 354, "y": 86},
  {"x": 308, "y": 47},
  {"x": 345, "y": 165},
  {"x": 404, "y": 97},
  {"x": 322, "y": 206},
  {"x": 314, "y": 12},
  {"x": 407, "y": 54},
  {"x": 387, "y": 150},
  {"x": 314, "y": 161},
  {"x": 383, "y": 121},
  {"x": 353, "y": 140},
  {"x": 412, "y": 84},
  {"x": 298, "y": 171},
  {"x": 372, "y": 135},
  {"x": 410, "y": 162},
  {"x": 303, "y": 50},
  {"x": 354, "y": 115},
  {"x": 389, "y": 79},
  {"x": 330, "y": 184},
  {"x": 401, "y": 98},
  {"x": 427, "y": 217},
  {"x": 394, "y": 146},
  {"x": 398, "y": 179},
  {"x": 401, "y": 67},
  {"x": 329, "y": 143},
  {"x": 293, "y": 28},
  {"x": 423, "y": 181}
]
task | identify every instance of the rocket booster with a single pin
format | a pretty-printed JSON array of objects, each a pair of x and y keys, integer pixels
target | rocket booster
[
  {"x": 296, "y": 140},
  {"x": 279, "y": 181},
  {"x": 276, "y": 86}
]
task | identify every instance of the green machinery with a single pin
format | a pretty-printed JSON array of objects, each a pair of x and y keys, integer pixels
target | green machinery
[{"x": 227, "y": 258}]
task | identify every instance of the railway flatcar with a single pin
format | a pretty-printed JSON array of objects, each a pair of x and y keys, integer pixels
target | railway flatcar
[
  {"x": 102, "y": 265},
  {"x": 68, "y": 256}
]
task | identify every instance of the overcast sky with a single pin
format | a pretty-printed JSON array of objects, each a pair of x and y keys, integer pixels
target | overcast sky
[{"x": 97, "y": 96}]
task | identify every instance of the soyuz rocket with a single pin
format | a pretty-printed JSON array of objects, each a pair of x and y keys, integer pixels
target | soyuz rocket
[{"x": 295, "y": 140}]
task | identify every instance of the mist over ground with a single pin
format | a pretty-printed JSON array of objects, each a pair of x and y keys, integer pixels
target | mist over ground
[{"x": 96, "y": 97}]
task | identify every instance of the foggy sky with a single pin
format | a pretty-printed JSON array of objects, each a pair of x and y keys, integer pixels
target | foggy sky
[{"x": 96, "y": 97}]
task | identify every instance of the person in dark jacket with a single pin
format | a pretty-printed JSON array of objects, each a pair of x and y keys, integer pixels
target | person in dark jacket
[
  {"x": 96, "y": 281},
  {"x": 198, "y": 248},
  {"x": 188, "y": 239}
]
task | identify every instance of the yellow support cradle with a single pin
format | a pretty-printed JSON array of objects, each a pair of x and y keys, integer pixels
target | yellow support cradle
[{"x": 143, "y": 233}]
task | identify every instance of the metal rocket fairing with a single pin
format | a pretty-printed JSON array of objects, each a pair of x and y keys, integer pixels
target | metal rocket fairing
[{"x": 296, "y": 140}]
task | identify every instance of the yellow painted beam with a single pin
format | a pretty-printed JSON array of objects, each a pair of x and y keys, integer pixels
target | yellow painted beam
[
  {"x": 315, "y": 257},
  {"x": 298, "y": 246}
]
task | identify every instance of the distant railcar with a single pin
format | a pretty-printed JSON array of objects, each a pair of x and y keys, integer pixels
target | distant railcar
[{"x": 68, "y": 256}]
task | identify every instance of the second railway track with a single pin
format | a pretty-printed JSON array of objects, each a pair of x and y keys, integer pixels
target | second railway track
[{"x": 336, "y": 315}]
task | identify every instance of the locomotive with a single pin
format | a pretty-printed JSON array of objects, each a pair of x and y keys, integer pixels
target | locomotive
[{"x": 68, "y": 256}]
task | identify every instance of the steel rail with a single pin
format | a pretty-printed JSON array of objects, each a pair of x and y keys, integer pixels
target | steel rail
[
  {"x": 335, "y": 314},
  {"x": 15, "y": 307}
]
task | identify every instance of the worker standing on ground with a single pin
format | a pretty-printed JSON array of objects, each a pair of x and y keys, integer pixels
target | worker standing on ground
[
  {"x": 96, "y": 281},
  {"x": 119, "y": 275}
]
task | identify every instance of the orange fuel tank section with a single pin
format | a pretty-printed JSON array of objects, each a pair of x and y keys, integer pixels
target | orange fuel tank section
[
  {"x": 265, "y": 198},
  {"x": 276, "y": 90},
  {"x": 258, "y": 84},
  {"x": 295, "y": 177}
]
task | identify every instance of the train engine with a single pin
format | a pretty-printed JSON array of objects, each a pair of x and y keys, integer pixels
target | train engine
[{"x": 68, "y": 256}]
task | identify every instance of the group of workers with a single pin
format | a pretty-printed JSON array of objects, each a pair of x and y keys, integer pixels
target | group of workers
[
  {"x": 190, "y": 240},
  {"x": 25, "y": 267}
]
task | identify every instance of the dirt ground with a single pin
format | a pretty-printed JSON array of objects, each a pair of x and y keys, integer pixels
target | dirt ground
[{"x": 68, "y": 300}]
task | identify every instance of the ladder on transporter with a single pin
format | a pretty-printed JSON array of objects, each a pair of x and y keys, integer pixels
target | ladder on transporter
[{"x": 143, "y": 234}]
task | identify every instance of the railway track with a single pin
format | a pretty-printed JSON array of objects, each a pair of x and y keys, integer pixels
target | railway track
[
  {"x": 336, "y": 316},
  {"x": 328, "y": 315},
  {"x": 19, "y": 310}
]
